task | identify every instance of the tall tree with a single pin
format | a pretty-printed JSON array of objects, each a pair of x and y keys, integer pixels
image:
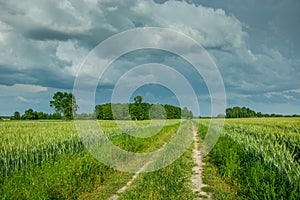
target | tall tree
[
  {"x": 138, "y": 99},
  {"x": 99, "y": 111},
  {"x": 17, "y": 115},
  {"x": 106, "y": 112},
  {"x": 65, "y": 104},
  {"x": 136, "y": 112},
  {"x": 186, "y": 113}
]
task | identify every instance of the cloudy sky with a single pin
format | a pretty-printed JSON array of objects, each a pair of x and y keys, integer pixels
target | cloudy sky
[{"x": 255, "y": 45}]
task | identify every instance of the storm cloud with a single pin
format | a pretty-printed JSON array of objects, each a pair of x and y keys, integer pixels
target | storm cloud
[{"x": 43, "y": 43}]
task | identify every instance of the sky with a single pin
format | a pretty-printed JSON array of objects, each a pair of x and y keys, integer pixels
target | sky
[{"x": 255, "y": 46}]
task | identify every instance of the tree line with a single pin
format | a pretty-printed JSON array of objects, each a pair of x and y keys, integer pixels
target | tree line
[
  {"x": 30, "y": 114},
  {"x": 63, "y": 103},
  {"x": 243, "y": 112},
  {"x": 140, "y": 111},
  {"x": 65, "y": 107}
]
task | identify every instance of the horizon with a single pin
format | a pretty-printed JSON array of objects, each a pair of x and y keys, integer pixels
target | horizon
[{"x": 202, "y": 116}]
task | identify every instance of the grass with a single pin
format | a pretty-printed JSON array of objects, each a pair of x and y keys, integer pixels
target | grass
[
  {"x": 218, "y": 186},
  {"x": 211, "y": 176},
  {"x": 72, "y": 173},
  {"x": 172, "y": 182},
  {"x": 254, "y": 161},
  {"x": 66, "y": 178}
]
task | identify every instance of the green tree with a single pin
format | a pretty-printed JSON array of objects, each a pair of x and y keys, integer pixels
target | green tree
[
  {"x": 106, "y": 111},
  {"x": 191, "y": 115},
  {"x": 186, "y": 113},
  {"x": 120, "y": 111},
  {"x": 237, "y": 112},
  {"x": 30, "y": 114},
  {"x": 157, "y": 111},
  {"x": 17, "y": 115},
  {"x": 64, "y": 104},
  {"x": 138, "y": 99},
  {"x": 136, "y": 112},
  {"x": 42, "y": 115},
  {"x": 221, "y": 116},
  {"x": 139, "y": 111},
  {"x": 173, "y": 112},
  {"x": 55, "y": 116},
  {"x": 98, "y": 111},
  {"x": 259, "y": 114}
]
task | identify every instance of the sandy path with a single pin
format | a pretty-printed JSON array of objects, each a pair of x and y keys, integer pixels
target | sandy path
[
  {"x": 128, "y": 184},
  {"x": 197, "y": 177}
]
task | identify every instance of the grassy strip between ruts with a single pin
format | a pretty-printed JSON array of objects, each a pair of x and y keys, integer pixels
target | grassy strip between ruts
[
  {"x": 134, "y": 144},
  {"x": 171, "y": 182}
]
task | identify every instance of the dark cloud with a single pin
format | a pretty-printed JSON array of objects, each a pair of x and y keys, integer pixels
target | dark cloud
[
  {"x": 43, "y": 75},
  {"x": 44, "y": 33},
  {"x": 51, "y": 78},
  {"x": 255, "y": 44},
  {"x": 271, "y": 23},
  {"x": 10, "y": 76}
]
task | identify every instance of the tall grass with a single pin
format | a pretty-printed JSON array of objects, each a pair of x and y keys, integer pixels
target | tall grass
[
  {"x": 47, "y": 160},
  {"x": 171, "y": 182},
  {"x": 262, "y": 161}
]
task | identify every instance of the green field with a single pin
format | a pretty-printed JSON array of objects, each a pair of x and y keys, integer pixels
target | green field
[{"x": 253, "y": 159}]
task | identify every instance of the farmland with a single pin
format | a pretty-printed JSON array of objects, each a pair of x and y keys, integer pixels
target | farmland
[
  {"x": 46, "y": 159},
  {"x": 253, "y": 159},
  {"x": 256, "y": 159}
]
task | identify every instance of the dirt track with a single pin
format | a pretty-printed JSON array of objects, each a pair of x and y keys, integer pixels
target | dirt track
[{"x": 197, "y": 177}]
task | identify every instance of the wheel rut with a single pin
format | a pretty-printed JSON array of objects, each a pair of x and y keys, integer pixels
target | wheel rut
[{"x": 197, "y": 183}]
